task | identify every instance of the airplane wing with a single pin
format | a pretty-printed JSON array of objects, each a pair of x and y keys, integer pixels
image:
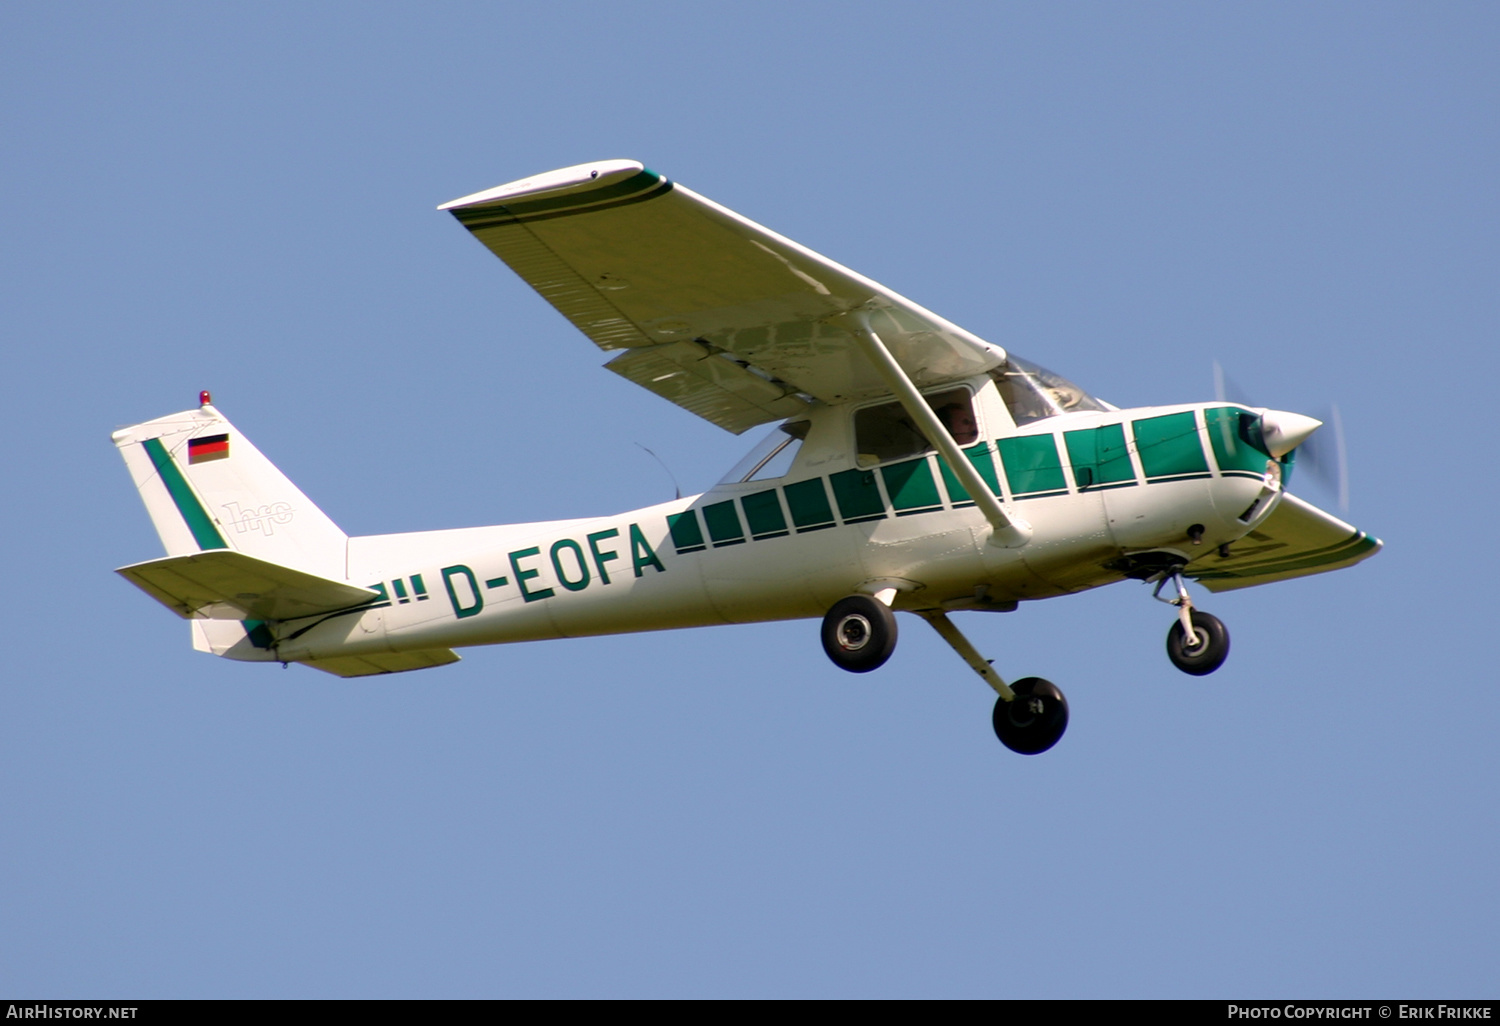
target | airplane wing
[
  {"x": 1297, "y": 539},
  {"x": 717, "y": 314}
]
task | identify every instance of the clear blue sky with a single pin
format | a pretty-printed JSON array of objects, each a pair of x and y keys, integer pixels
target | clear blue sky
[{"x": 240, "y": 198}]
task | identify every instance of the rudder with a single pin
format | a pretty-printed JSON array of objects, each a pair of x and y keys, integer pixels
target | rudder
[{"x": 206, "y": 487}]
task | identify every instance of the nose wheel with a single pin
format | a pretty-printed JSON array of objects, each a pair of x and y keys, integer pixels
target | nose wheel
[
  {"x": 1205, "y": 651},
  {"x": 1198, "y": 642}
]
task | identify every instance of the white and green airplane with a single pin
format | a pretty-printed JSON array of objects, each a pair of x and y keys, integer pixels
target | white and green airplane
[{"x": 913, "y": 467}]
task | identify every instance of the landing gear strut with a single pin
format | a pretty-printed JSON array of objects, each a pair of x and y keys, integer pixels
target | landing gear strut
[
  {"x": 859, "y": 634},
  {"x": 1030, "y": 715},
  {"x": 1198, "y": 642}
]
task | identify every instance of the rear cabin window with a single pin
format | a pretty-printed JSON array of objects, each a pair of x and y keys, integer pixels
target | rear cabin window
[{"x": 886, "y": 432}]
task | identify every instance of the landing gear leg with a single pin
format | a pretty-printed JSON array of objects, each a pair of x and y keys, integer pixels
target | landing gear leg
[
  {"x": 1030, "y": 716},
  {"x": 1198, "y": 642}
]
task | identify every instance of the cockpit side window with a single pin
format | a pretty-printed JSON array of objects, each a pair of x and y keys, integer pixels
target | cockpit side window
[
  {"x": 1034, "y": 393},
  {"x": 885, "y": 432}
]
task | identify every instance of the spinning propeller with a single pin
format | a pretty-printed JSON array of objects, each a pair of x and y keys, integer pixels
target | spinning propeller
[{"x": 1321, "y": 456}]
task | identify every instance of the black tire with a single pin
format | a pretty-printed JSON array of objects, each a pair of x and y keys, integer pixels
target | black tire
[
  {"x": 1206, "y": 656},
  {"x": 859, "y": 633},
  {"x": 1035, "y": 720}
]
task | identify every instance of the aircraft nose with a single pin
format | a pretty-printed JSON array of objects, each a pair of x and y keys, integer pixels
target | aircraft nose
[{"x": 1285, "y": 431}]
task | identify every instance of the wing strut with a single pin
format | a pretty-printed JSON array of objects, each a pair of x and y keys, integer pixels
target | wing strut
[{"x": 1009, "y": 532}]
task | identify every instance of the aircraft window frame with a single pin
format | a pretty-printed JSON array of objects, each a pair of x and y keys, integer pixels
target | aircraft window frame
[
  {"x": 771, "y": 452},
  {"x": 1031, "y": 392},
  {"x": 889, "y": 449}
]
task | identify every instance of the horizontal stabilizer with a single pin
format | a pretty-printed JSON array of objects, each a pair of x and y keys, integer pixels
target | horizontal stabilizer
[
  {"x": 1296, "y": 540},
  {"x": 222, "y": 584},
  {"x": 383, "y": 662}
]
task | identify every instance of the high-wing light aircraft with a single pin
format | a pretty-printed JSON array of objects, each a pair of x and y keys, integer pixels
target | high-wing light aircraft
[{"x": 913, "y": 467}]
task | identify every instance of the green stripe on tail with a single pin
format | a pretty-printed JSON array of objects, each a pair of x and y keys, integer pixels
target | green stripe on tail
[{"x": 205, "y": 531}]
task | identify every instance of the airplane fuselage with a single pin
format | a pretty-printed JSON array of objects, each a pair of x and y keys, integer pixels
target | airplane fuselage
[{"x": 1106, "y": 494}]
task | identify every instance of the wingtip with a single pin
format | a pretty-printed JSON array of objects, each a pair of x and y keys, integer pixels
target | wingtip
[{"x": 577, "y": 178}]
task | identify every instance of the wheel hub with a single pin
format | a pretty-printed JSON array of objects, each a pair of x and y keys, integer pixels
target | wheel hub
[
  {"x": 854, "y": 633},
  {"x": 858, "y": 633}
]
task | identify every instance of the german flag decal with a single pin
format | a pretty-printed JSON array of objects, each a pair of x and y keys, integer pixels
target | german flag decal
[{"x": 209, "y": 447}]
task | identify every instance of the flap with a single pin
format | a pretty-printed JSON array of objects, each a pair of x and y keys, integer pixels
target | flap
[
  {"x": 709, "y": 383},
  {"x": 222, "y": 584},
  {"x": 637, "y": 262},
  {"x": 1296, "y": 540}
]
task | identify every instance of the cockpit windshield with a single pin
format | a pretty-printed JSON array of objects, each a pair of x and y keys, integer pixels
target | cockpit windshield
[{"x": 1034, "y": 393}]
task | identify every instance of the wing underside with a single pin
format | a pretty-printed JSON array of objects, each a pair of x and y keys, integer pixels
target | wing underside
[
  {"x": 375, "y": 663},
  {"x": 717, "y": 313},
  {"x": 1296, "y": 540}
]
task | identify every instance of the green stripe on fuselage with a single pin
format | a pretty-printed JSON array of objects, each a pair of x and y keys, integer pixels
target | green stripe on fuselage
[
  {"x": 205, "y": 531},
  {"x": 1032, "y": 464},
  {"x": 763, "y": 514},
  {"x": 857, "y": 495},
  {"x": 984, "y": 464},
  {"x": 1169, "y": 446},
  {"x": 1099, "y": 457},
  {"x": 911, "y": 486},
  {"x": 1234, "y": 454},
  {"x": 687, "y": 536},
  {"x": 723, "y": 523},
  {"x": 808, "y": 501}
]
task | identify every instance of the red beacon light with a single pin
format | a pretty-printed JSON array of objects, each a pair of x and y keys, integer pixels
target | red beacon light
[{"x": 204, "y": 398}]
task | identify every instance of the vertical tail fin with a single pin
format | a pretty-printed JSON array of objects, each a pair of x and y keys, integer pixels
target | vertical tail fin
[{"x": 206, "y": 487}]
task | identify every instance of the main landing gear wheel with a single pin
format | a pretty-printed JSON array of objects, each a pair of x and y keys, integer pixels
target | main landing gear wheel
[
  {"x": 1035, "y": 720},
  {"x": 1207, "y": 650},
  {"x": 859, "y": 633}
]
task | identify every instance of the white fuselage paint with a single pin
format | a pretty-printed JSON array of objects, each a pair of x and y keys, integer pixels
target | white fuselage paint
[{"x": 624, "y": 573}]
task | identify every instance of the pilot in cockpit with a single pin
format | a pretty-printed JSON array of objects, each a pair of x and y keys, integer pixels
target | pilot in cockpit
[{"x": 958, "y": 418}]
